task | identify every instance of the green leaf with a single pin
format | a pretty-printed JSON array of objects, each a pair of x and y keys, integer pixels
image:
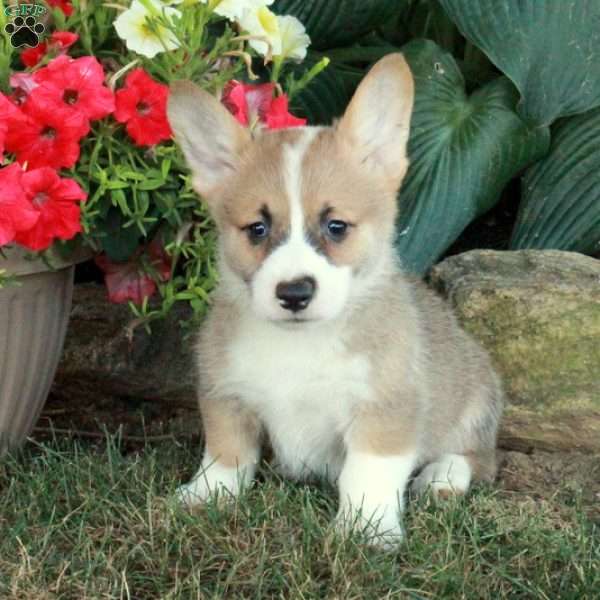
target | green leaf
[
  {"x": 120, "y": 242},
  {"x": 331, "y": 23},
  {"x": 463, "y": 151},
  {"x": 550, "y": 49},
  {"x": 560, "y": 208},
  {"x": 326, "y": 96}
]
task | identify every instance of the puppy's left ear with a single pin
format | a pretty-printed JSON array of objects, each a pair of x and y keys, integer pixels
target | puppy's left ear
[{"x": 376, "y": 123}]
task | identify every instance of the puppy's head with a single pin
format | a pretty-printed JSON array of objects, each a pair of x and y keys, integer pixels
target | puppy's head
[{"x": 305, "y": 215}]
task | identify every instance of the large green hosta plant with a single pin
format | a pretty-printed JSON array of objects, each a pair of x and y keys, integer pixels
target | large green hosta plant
[
  {"x": 506, "y": 87},
  {"x": 463, "y": 150},
  {"x": 551, "y": 51}
]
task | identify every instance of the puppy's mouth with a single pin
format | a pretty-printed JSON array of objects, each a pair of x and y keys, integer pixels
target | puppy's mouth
[{"x": 294, "y": 322}]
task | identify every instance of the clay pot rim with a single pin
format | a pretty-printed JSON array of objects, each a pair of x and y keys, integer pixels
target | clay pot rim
[{"x": 18, "y": 261}]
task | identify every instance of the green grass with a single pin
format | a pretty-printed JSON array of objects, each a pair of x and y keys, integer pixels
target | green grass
[{"x": 90, "y": 521}]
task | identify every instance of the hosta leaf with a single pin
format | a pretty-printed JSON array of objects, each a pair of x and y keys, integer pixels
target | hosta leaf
[
  {"x": 326, "y": 96},
  {"x": 560, "y": 208},
  {"x": 550, "y": 49},
  {"x": 463, "y": 151},
  {"x": 331, "y": 23}
]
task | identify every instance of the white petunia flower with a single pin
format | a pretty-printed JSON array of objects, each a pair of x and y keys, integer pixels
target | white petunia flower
[
  {"x": 262, "y": 22},
  {"x": 133, "y": 27},
  {"x": 294, "y": 40},
  {"x": 234, "y": 9}
]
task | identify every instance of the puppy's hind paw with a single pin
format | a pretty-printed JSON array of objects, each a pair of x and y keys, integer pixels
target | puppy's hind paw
[{"x": 445, "y": 478}]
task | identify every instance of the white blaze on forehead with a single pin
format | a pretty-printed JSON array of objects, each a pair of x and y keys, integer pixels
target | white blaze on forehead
[
  {"x": 293, "y": 155},
  {"x": 296, "y": 257}
]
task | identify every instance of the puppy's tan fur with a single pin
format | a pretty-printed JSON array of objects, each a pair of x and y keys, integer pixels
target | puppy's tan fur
[{"x": 400, "y": 384}]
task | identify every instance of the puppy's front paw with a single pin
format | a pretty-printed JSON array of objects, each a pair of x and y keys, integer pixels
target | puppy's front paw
[
  {"x": 213, "y": 480},
  {"x": 192, "y": 493},
  {"x": 381, "y": 528}
]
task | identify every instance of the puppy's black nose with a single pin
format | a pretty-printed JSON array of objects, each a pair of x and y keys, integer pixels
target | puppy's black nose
[{"x": 295, "y": 295}]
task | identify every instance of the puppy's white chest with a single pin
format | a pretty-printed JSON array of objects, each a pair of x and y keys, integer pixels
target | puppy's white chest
[{"x": 303, "y": 384}]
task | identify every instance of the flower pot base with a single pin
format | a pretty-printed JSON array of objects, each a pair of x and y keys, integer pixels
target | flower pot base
[{"x": 33, "y": 323}]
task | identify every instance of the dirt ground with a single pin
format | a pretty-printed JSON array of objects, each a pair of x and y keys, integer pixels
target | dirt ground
[{"x": 564, "y": 477}]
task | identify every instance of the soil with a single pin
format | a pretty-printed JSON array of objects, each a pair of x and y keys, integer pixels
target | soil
[{"x": 562, "y": 477}]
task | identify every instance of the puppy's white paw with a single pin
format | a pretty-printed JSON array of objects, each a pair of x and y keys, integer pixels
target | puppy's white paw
[
  {"x": 193, "y": 493},
  {"x": 381, "y": 528},
  {"x": 450, "y": 475},
  {"x": 372, "y": 496},
  {"x": 214, "y": 479}
]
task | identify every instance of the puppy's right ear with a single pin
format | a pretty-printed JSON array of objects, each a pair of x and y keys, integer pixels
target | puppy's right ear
[{"x": 210, "y": 137}]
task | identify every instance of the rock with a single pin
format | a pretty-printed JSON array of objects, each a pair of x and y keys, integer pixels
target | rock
[
  {"x": 103, "y": 358},
  {"x": 538, "y": 313}
]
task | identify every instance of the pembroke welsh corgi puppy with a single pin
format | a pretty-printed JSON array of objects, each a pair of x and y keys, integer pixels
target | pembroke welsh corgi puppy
[{"x": 316, "y": 338}]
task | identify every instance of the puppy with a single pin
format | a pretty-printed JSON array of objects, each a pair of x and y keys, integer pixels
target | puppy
[{"x": 316, "y": 338}]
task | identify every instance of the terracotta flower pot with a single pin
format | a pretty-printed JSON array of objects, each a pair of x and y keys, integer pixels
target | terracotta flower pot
[{"x": 33, "y": 323}]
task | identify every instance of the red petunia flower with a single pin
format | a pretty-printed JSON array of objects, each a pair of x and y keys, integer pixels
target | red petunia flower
[
  {"x": 9, "y": 113},
  {"x": 59, "y": 42},
  {"x": 46, "y": 134},
  {"x": 77, "y": 84},
  {"x": 251, "y": 104},
  {"x": 16, "y": 212},
  {"x": 56, "y": 202},
  {"x": 125, "y": 281},
  {"x": 278, "y": 117},
  {"x": 248, "y": 103},
  {"x": 64, "y": 5},
  {"x": 142, "y": 105},
  {"x": 128, "y": 281}
]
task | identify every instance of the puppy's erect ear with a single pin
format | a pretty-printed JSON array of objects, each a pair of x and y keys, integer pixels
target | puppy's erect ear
[
  {"x": 211, "y": 139},
  {"x": 376, "y": 124}
]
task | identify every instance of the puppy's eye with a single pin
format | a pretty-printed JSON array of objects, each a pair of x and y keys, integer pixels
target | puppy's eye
[
  {"x": 257, "y": 231},
  {"x": 336, "y": 229}
]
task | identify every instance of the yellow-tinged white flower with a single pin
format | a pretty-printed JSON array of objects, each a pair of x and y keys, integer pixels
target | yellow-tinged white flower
[
  {"x": 140, "y": 36},
  {"x": 294, "y": 40},
  {"x": 262, "y": 23},
  {"x": 234, "y": 9}
]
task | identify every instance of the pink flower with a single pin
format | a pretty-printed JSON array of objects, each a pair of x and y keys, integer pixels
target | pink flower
[
  {"x": 142, "y": 105},
  {"x": 77, "y": 84},
  {"x": 128, "y": 281},
  {"x": 24, "y": 82},
  {"x": 56, "y": 203},
  {"x": 16, "y": 212},
  {"x": 250, "y": 103}
]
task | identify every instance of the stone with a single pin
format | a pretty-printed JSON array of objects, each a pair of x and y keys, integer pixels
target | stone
[
  {"x": 105, "y": 355},
  {"x": 538, "y": 314}
]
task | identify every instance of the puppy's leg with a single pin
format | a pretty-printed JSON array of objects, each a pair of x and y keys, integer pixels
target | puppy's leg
[
  {"x": 379, "y": 461},
  {"x": 231, "y": 452},
  {"x": 472, "y": 456}
]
